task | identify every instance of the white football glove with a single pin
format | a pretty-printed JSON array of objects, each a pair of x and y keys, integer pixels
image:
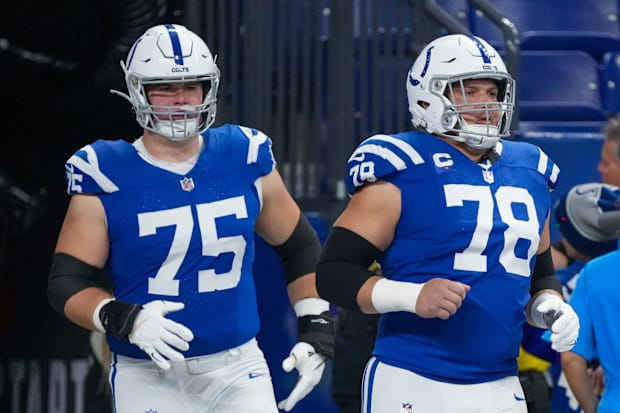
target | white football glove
[
  {"x": 561, "y": 320},
  {"x": 309, "y": 365},
  {"x": 158, "y": 336}
]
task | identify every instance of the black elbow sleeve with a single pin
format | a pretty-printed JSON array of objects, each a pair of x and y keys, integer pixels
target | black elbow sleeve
[
  {"x": 300, "y": 253},
  {"x": 543, "y": 276},
  {"x": 67, "y": 277},
  {"x": 343, "y": 267}
]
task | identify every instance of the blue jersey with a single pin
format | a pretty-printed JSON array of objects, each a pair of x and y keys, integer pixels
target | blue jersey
[
  {"x": 464, "y": 222},
  {"x": 187, "y": 238},
  {"x": 595, "y": 300}
]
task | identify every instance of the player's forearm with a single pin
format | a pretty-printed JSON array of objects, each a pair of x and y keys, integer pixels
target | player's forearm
[
  {"x": 81, "y": 306},
  {"x": 575, "y": 368},
  {"x": 302, "y": 287}
]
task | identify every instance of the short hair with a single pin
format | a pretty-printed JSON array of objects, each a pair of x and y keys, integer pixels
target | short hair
[{"x": 612, "y": 132}]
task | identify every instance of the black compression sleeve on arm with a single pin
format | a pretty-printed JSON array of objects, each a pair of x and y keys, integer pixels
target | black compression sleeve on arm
[
  {"x": 300, "y": 252},
  {"x": 543, "y": 277},
  {"x": 343, "y": 267},
  {"x": 68, "y": 276}
]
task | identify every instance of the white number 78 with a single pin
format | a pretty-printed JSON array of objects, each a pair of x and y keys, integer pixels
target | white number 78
[{"x": 472, "y": 258}]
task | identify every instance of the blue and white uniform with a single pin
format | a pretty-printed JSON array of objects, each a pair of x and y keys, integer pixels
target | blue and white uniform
[
  {"x": 479, "y": 224},
  {"x": 186, "y": 237}
]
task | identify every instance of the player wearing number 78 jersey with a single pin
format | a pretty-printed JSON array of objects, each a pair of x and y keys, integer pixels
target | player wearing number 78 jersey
[{"x": 458, "y": 219}]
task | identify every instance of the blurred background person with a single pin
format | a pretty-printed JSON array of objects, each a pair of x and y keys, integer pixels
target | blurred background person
[
  {"x": 585, "y": 237},
  {"x": 596, "y": 301}
]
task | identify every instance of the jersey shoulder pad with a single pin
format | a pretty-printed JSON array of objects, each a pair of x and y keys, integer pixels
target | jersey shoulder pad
[
  {"x": 242, "y": 146},
  {"x": 381, "y": 156},
  {"x": 85, "y": 169},
  {"x": 527, "y": 155}
]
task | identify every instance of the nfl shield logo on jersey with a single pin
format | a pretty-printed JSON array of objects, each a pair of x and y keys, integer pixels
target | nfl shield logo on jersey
[
  {"x": 187, "y": 184},
  {"x": 488, "y": 176},
  {"x": 407, "y": 408}
]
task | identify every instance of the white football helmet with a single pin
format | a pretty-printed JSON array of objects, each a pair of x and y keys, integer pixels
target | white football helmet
[
  {"x": 171, "y": 53},
  {"x": 442, "y": 66}
]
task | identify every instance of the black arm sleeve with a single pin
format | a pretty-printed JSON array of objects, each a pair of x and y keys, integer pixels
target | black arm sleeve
[
  {"x": 300, "y": 252},
  {"x": 343, "y": 267},
  {"x": 543, "y": 277},
  {"x": 67, "y": 277}
]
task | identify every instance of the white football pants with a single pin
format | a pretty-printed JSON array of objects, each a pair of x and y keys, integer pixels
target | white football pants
[
  {"x": 389, "y": 389},
  {"x": 235, "y": 380}
]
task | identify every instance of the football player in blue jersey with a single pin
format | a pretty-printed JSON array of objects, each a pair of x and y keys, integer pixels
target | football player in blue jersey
[
  {"x": 458, "y": 219},
  {"x": 171, "y": 217}
]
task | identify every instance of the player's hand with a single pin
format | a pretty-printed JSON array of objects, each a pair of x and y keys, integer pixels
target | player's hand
[
  {"x": 561, "y": 320},
  {"x": 440, "y": 298},
  {"x": 309, "y": 365},
  {"x": 159, "y": 336},
  {"x": 597, "y": 379}
]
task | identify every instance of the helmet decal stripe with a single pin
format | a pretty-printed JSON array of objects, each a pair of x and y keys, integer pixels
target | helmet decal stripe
[
  {"x": 483, "y": 51},
  {"x": 428, "y": 61},
  {"x": 132, "y": 52},
  {"x": 176, "y": 44},
  {"x": 413, "y": 80}
]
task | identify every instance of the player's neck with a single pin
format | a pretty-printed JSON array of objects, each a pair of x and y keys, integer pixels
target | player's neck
[
  {"x": 164, "y": 149},
  {"x": 476, "y": 155}
]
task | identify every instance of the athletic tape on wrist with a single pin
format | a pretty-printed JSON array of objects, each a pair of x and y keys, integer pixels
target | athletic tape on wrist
[
  {"x": 539, "y": 318},
  {"x": 389, "y": 296},
  {"x": 309, "y": 306}
]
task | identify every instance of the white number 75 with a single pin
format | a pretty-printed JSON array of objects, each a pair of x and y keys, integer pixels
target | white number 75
[{"x": 164, "y": 282}]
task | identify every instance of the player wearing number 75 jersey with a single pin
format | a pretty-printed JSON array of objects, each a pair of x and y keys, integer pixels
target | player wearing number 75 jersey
[
  {"x": 458, "y": 220},
  {"x": 171, "y": 218}
]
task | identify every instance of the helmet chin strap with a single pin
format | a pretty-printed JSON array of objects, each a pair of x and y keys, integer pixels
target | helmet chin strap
[
  {"x": 178, "y": 130},
  {"x": 479, "y": 136}
]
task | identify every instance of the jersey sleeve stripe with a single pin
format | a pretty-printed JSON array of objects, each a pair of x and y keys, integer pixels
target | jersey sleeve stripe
[
  {"x": 543, "y": 159},
  {"x": 403, "y": 146},
  {"x": 258, "y": 184},
  {"x": 547, "y": 168},
  {"x": 554, "y": 174},
  {"x": 255, "y": 141},
  {"x": 91, "y": 168},
  {"x": 380, "y": 151}
]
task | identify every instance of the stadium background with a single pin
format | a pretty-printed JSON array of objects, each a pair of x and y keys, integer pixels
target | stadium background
[{"x": 315, "y": 75}]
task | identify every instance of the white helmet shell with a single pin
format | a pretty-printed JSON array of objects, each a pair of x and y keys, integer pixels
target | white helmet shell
[
  {"x": 442, "y": 66},
  {"x": 171, "y": 53}
]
